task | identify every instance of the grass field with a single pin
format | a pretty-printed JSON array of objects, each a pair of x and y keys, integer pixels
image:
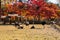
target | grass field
[{"x": 9, "y": 32}]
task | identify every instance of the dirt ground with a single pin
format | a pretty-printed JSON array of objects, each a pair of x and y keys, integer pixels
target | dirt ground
[{"x": 10, "y": 32}]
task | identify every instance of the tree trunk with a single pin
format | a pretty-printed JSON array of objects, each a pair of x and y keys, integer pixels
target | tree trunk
[{"x": 0, "y": 6}]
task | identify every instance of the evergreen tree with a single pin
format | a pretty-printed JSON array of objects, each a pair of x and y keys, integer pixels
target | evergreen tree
[{"x": 20, "y": 0}]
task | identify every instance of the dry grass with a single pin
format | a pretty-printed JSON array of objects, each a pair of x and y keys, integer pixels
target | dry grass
[{"x": 9, "y": 32}]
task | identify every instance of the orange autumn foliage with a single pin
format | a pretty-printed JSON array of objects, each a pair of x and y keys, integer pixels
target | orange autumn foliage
[{"x": 44, "y": 11}]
